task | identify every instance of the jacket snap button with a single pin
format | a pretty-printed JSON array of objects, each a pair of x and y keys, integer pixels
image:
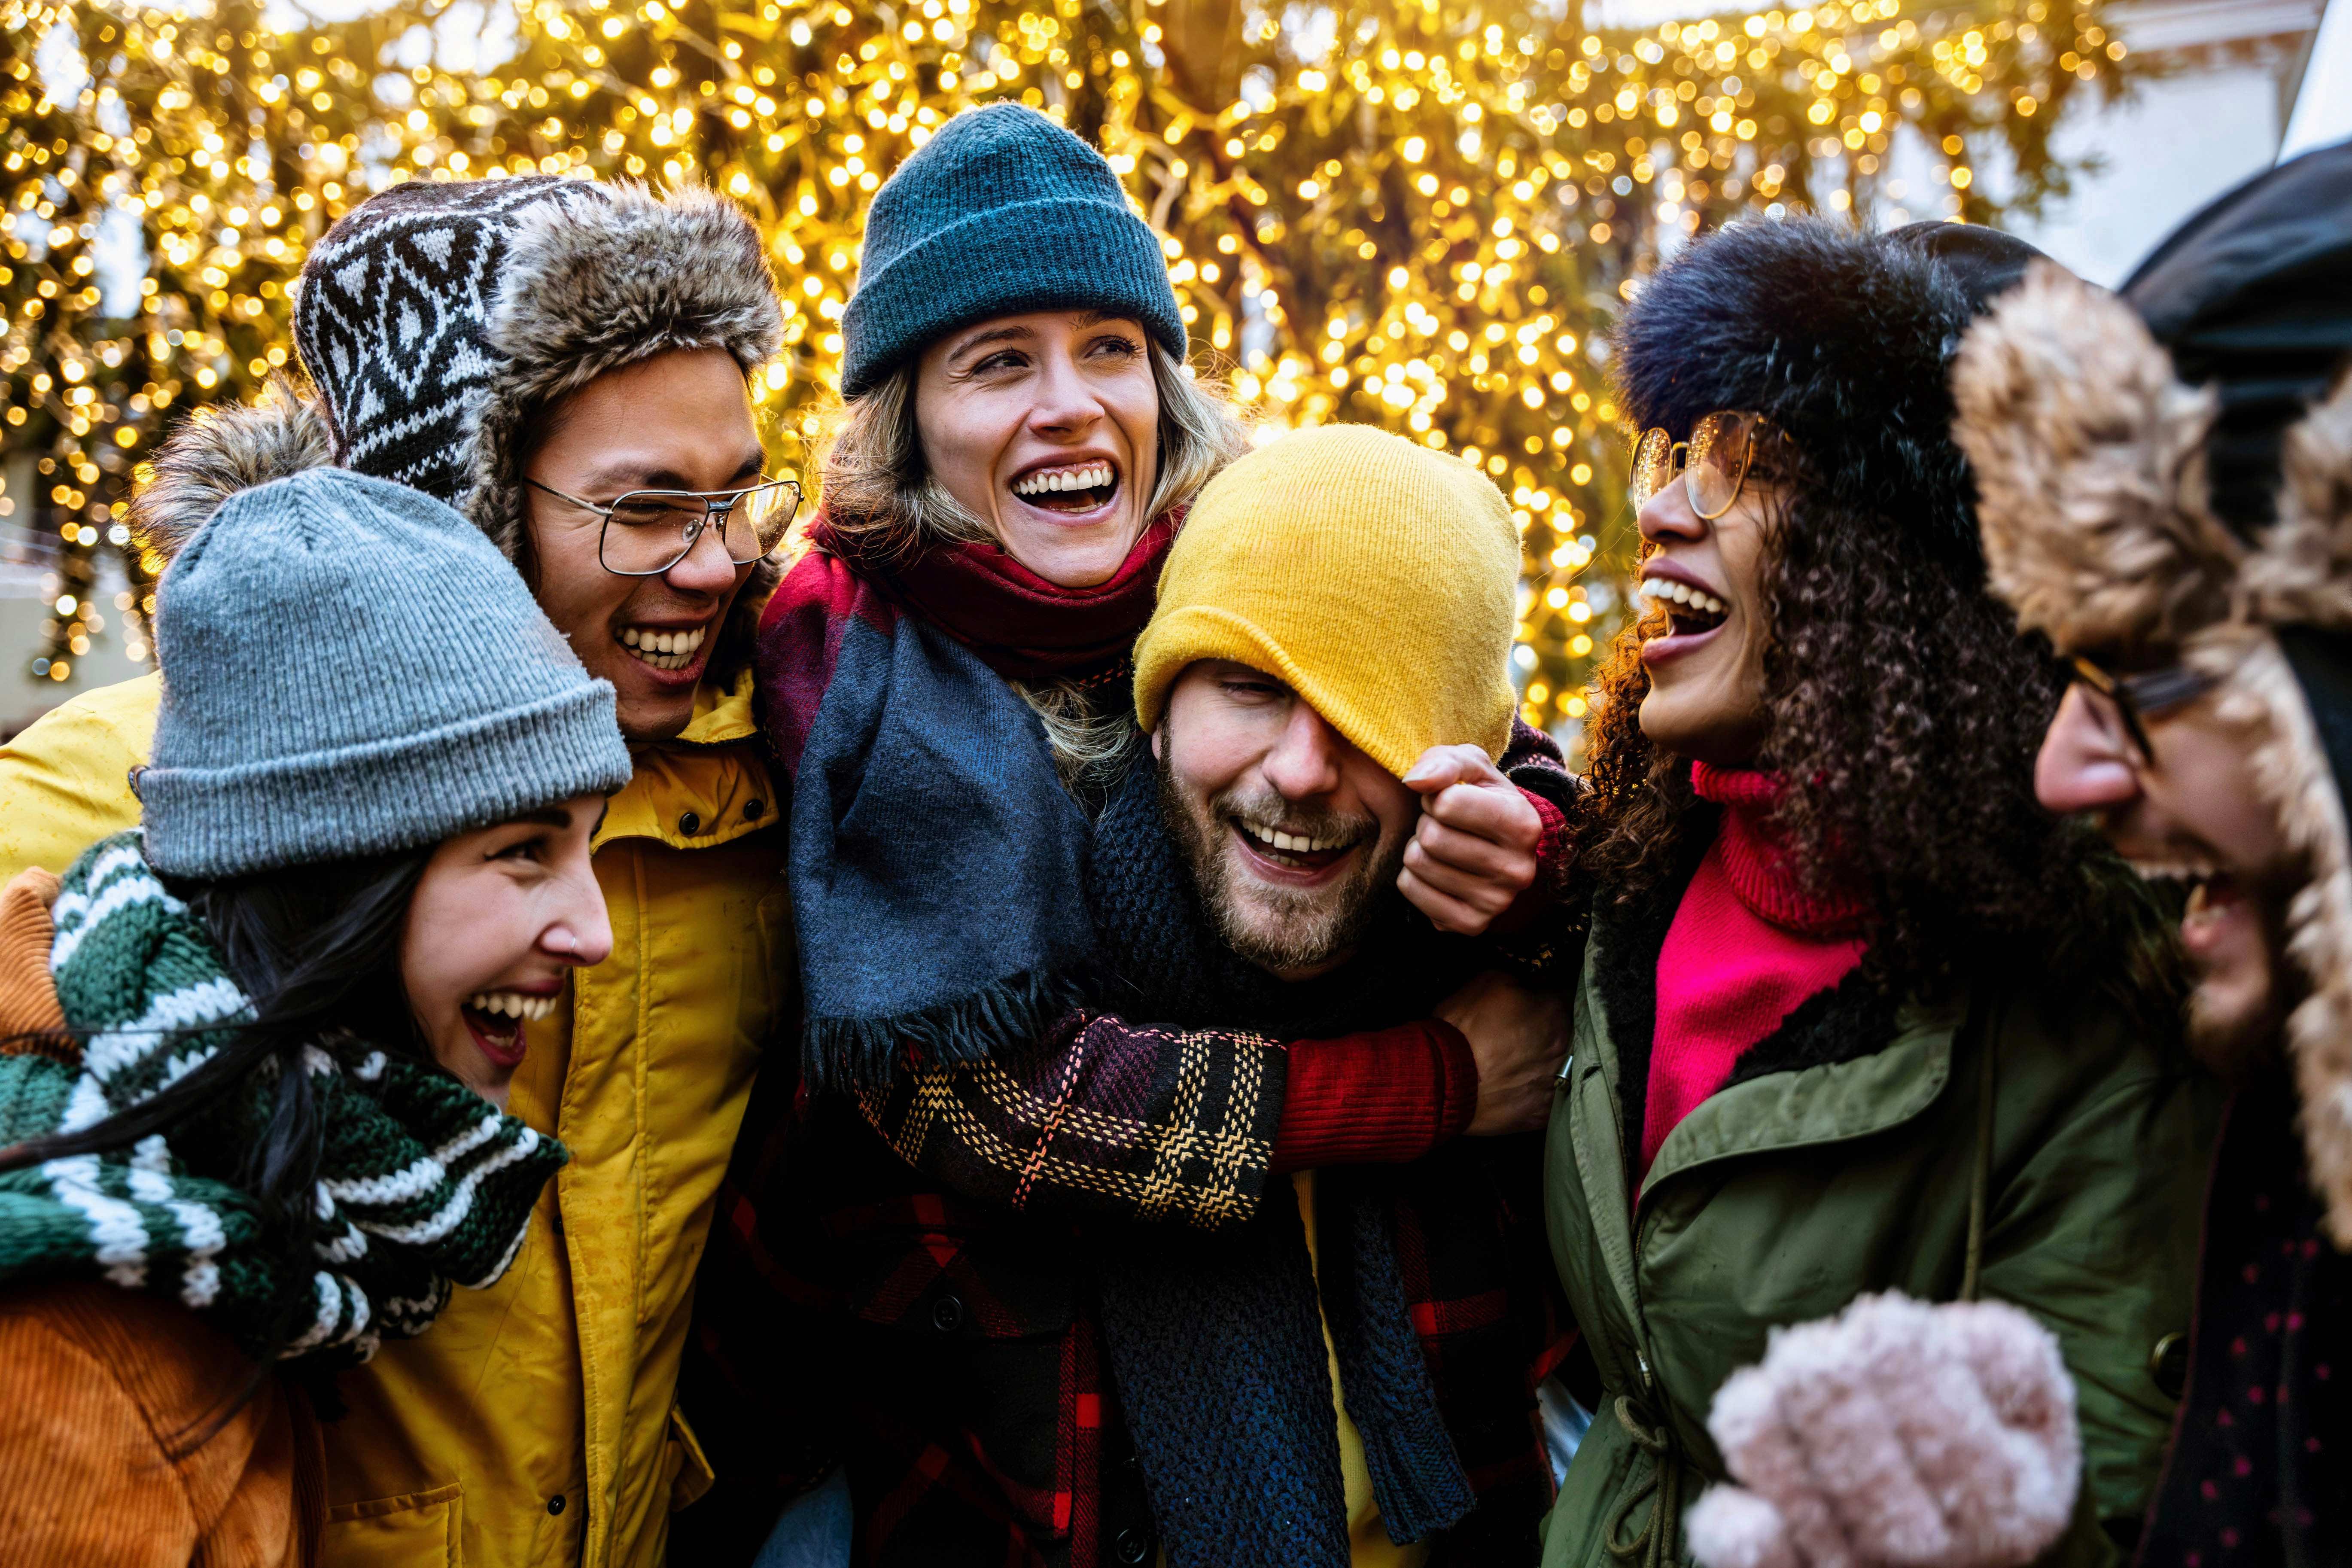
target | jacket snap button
[
  {"x": 555, "y": 1503},
  {"x": 1133, "y": 1546},
  {"x": 947, "y": 1314},
  {"x": 2167, "y": 1364},
  {"x": 689, "y": 825},
  {"x": 754, "y": 809}
]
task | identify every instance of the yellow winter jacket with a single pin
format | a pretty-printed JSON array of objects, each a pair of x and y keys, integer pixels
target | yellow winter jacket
[{"x": 534, "y": 1423}]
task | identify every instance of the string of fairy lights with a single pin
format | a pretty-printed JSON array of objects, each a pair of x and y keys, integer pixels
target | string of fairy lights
[{"x": 1419, "y": 213}]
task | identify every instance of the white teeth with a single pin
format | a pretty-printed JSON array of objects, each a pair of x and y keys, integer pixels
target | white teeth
[
  {"x": 1290, "y": 843},
  {"x": 1659, "y": 589},
  {"x": 511, "y": 1004},
  {"x": 1085, "y": 476},
  {"x": 663, "y": 650}
]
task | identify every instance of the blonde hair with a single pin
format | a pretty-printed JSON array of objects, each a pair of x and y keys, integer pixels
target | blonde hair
[{"x": 882, "y": 501}]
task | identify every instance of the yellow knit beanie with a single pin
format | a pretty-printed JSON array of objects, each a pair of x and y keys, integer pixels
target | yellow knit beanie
[{"x": 1378, "y": 578}]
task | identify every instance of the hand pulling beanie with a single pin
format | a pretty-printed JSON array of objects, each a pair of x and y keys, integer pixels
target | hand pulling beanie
[
  {"x": 1003, "y": 212},
  {"x": 1377, "y": 578},
  {"x": 353, "y": 670},
  {"x": 440, "y": 320}
]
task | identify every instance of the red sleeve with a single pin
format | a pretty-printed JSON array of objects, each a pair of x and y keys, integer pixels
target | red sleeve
[
  {"x": 1553, "y": 863},
  {"x": 1375, "y": 1098}
]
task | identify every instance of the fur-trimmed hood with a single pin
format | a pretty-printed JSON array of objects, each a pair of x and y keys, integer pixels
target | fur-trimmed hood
[
  {"x": 2100, "y": 528},
  {"x": 1841, "y": 338}
]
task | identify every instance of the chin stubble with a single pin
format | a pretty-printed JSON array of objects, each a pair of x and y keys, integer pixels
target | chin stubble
[{"x": 1275, "y": 928}]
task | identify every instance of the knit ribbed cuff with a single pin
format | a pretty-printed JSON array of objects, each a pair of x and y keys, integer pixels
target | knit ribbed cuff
[
  {"x": 1377, "y": 1098},
  {"x": 1061, "y": 253},
  {"x": 382, "y": 795},
  {"x": 1553, "y": 864}
]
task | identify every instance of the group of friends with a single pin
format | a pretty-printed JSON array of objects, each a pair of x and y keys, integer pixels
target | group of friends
[{"x": 1053, "y": 1011}]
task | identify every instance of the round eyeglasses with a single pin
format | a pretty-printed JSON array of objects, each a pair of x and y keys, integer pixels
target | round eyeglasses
[
  {"x": 646, "y": 532},
  {"x": 2142, "y": 695},
  {"x": 1712, "y": 464}
]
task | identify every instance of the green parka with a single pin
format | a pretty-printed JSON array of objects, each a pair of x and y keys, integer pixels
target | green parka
[{"x": 1843, "y": 1158}]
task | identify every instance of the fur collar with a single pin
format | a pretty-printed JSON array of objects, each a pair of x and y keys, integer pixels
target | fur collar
[{"x": 2099, "y": 530}]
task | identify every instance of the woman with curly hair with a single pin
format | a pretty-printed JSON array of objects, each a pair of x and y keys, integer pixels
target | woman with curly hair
[{"x": 1856, "y": 1016}]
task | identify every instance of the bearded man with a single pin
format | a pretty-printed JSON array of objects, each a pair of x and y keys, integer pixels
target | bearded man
[
  {"x": 1341, "y": 1368},
  {"x": 2167, "y": 482}
]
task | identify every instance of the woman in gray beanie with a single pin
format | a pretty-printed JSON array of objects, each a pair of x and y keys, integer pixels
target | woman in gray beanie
[
  {"x": 246, "y": 1049},
  {"x": 540, "y": 353}
]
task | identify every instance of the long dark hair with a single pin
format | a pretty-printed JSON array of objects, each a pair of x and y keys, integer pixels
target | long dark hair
[
  {"x": 317, "y": 948},
  {"x": 1906, "y": 712}
]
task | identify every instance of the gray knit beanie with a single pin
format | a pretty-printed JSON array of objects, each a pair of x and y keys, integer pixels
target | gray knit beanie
[
  {"x": 352, "y": 669},
  {"x": 1003, "y": 212}
]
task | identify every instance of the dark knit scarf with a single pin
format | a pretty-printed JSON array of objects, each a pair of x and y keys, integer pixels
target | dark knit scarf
[
  {"x": 934, "y": 852},
  {"x": 1214, "y": 1338},
  {"x": 423, "y": 1184}
]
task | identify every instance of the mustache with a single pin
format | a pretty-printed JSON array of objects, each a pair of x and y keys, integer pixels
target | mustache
[{"x": 1262, "y": 806}]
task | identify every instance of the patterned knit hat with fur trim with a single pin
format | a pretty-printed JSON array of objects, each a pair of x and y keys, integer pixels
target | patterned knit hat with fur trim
[
  {"x": 2168, "y": 472},
  {"x": 1842, "y": 339},
  {"x": 439, "y": 319}
]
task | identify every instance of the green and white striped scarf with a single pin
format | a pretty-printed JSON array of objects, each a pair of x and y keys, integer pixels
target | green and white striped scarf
[{"x": 422, "y": 1184}]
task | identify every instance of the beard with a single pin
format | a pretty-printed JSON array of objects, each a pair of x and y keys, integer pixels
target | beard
[
  {"x": 1279, "y": 929},
  {"x": 2237, "y": 1024}
]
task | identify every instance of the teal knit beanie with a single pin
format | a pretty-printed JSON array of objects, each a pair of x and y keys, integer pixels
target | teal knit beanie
[
  {"x": 1003, "y": 212},
  {"x": 352, "y": 668}
]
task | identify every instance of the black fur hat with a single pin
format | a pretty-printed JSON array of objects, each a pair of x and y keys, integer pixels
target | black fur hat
[{"x": 1842, "y": 339}]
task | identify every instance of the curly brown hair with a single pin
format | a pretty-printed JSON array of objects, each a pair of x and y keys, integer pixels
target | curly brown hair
[{"x": 1905, "y": 711}]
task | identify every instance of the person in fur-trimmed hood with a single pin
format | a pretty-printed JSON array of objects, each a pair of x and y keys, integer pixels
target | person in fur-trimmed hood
[
  {"x": 1855, "y": 1014},
  {"x": 568, "y": 364},
  {"x": 2167, "y": 482}
]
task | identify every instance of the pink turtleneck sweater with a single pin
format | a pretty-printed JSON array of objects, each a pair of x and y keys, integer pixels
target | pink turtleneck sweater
[{"x": 1747, "y": 946}]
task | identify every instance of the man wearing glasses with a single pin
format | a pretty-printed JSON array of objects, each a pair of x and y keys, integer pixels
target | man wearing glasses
[
  {"x": 2166, "y": 495},
  {"x": 570, "y": 365}
]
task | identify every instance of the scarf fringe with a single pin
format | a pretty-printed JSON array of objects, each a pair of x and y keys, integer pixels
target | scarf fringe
[
  {"x": 1417, "y": 1478},
  {"x": 849, "y": 1054}
]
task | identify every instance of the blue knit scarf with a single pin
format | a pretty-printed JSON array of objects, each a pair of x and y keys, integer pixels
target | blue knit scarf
[{"x": 1214, "y": 1338}]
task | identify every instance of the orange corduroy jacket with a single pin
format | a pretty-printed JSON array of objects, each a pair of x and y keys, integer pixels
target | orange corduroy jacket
[{"x": 109, "y": 1389}]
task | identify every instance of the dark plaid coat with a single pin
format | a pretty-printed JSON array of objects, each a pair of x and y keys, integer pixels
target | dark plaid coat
[
  {"x": 949, "y": 1350},
  {"x": 899, "y": 1282}
]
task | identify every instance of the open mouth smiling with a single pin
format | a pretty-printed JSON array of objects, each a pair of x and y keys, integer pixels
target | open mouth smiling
[
  {"x": 1070, "y": 489},
  {"x": 2209, "y": 896},
  {"x": 1691, "y": 610},
  {"x": 666, "y": 649},
  {"x": 496, "y": 1019},
  {"x": 1308, "y": 853}
]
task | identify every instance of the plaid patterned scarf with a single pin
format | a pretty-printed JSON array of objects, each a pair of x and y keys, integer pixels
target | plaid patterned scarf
[{"x": 420, "y": 1186}]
